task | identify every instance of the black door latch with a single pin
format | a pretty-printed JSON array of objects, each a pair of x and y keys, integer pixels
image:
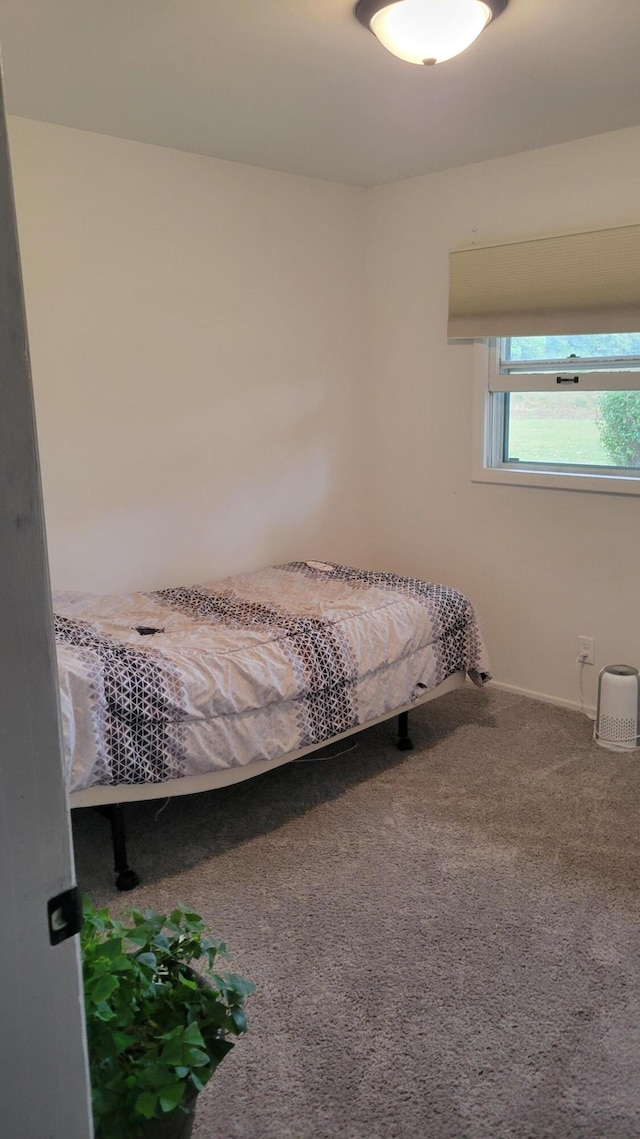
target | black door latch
[{"x": 64, "y": 913}]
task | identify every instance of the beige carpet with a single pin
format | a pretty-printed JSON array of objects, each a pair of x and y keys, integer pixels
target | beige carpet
[{"x": 445, "y": 942}]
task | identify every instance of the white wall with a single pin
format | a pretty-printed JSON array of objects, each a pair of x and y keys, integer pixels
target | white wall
[
  {"x": 196, "y": 331},
  {"x": 542, "y": 566}
]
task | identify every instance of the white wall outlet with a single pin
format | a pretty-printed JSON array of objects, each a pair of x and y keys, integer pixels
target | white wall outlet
[{"x": 585, "y": 650}]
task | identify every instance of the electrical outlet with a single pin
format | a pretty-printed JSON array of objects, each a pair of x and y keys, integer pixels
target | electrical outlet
[{"x": 585, "y": 650}]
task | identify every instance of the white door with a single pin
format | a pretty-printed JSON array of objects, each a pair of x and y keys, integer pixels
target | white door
[{"x": 43, "y": 1072}]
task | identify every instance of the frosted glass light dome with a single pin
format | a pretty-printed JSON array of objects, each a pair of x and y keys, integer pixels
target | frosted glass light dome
[{"x": 427, "y": 31}]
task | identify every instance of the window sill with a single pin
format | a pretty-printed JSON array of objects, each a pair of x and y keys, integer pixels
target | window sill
[{"x": 553, "y": 480}]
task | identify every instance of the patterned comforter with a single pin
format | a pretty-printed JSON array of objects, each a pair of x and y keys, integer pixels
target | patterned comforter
[{"x": 156, "y": 686}]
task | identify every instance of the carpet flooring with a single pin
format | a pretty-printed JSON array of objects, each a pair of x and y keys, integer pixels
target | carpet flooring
[{"x": 445, "y": 942}]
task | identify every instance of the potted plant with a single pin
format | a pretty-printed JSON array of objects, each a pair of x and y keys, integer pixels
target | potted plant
[{"x": 156, "y": 1028}]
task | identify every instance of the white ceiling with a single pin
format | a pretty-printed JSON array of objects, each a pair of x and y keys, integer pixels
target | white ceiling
[{"x": 299, "y": 85}]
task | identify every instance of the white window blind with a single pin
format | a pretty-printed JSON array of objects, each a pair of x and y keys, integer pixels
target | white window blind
[{"x": 575, "y": 283}]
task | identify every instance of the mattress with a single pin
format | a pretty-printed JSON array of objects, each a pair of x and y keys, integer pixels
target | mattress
[{"x": 188, "y": 680}]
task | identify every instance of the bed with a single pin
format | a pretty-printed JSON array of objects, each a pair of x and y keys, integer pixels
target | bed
[{"x": 187, "y": 689}]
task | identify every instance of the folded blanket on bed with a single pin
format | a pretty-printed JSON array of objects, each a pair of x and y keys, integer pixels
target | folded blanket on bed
[{"x": 155, "y": 686}]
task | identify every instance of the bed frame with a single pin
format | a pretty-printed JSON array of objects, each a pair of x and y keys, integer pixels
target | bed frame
[{"x": 110, "y": 800}]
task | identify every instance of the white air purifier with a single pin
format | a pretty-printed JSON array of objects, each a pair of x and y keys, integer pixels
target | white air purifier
[{"x": 618, "y": 716}]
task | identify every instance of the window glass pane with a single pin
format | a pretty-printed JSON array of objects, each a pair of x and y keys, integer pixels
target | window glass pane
[
  {"x": 605, "y": 345},
  {"x": 580, "y": 428}
]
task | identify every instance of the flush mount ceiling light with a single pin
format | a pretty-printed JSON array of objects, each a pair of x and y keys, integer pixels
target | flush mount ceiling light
[{"x": 427, "y": 31}]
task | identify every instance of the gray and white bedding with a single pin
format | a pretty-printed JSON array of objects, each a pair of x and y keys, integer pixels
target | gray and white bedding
[{"x": 185, "y": 681}]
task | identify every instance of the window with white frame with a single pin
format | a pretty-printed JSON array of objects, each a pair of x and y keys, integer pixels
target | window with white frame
[
  {"x": 557, "y": 372},
  {"x": 564, "y": 405}
]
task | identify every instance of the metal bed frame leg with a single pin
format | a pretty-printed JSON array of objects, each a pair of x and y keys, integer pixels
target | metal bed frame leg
[
  {"x": 405, "y": 742},
  {"x": 127, "y": 879}
]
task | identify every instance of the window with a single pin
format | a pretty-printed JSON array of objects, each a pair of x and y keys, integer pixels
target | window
[{"x": 561, "y": 411}]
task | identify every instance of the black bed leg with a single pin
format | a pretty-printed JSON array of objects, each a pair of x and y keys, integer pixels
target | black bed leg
[
  {"x": 404, "y": 739},
  {"x": 127, "y": 879}
]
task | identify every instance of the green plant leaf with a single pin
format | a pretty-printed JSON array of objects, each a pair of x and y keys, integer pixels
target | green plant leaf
[
  {"x": 171, "y": 1095},
  {"x": 104, "y": 1013},
  {"x": 122, "y": 1042},
  {"x": 146, "y": 1104},
  {"x": 192, "y": 1035},
  {"x": 197, "y": 1057},
  {"x": 148, "y": 959},
  {"x": 111, "y": 949},
  {"x": 239, "y": 1019},
  {"x": 160, "y": 1074},
  {"x": 186, "y": 982},
  {"x": 172, "y": 1053},
  {"x": 240, "y": 985},
  {"x": 103, "y": 988}
]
